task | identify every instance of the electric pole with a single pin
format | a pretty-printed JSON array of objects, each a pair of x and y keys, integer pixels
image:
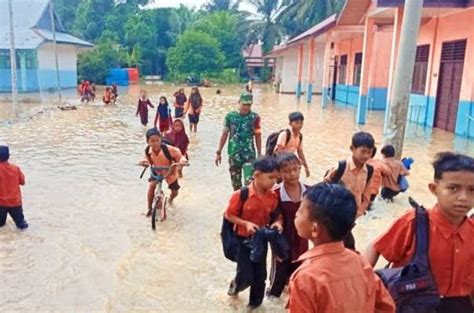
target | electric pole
[
  {"x": 13, "y": 60},
  {"x": 403, "y": 75},
  {"x": 53, "y": 29}
]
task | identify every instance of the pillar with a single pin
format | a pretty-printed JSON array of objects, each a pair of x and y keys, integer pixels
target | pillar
[
  {"x": 24, "y": 81},
  {"x": 364, "y": 76},
  {"x": 397, "y": 28},
  {"x": 299, "y": 70},
  {"x": 326, "y": 97},
  {"x": 311, "y": 57}
]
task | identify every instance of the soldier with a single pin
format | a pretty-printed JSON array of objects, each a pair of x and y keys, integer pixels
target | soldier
[{"x": 241, "y": 127}]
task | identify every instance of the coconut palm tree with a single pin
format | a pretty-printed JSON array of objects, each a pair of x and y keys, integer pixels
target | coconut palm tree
[{"x": 221, "y": 5}]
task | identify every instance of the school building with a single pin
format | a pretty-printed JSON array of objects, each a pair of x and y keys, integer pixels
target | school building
[
  {"x": 350, "y": 58},
  {"x": 35, "y": 58}
]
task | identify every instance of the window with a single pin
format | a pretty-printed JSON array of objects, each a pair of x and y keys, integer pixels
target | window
[
  {"x": 342, "y": 69},
  {"x": 421, "y": 68},
  {"x": 357, "y": 69},
  {"x": 30, "y": 60},
  {"x": 4, "y": 60}
]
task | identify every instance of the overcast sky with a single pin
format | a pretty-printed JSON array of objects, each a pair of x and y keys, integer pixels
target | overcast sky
[{"x": 189, "y": 3}]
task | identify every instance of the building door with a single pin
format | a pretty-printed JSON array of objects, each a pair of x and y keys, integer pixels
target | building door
[
  {"x": 449, "y": 84},
  {"x": 334, "y": 80}
]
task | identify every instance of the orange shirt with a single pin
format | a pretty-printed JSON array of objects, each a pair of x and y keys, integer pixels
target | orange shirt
[
  {"x": 294, "y": 144},
  {"x": 395, "y": 168},
  {"x": 380, "y": 169},
  {"x": 11, "y": 177},
  {"x": 334, "y": 279},
  {"x": 355, "y": 180},
  {"x": 161, "y": 160},
  {"x": 451, "y": 251},
  {"x": 256, "y": 209}
]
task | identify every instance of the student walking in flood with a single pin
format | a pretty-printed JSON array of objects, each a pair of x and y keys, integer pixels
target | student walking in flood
[
  {"x": 194, "y": 108},
  {"x": 179, "y": 103},
  {"x": 163, "y": 115},
  {"x": 142, "y": 109},
  {"x": 244, "y": 132}
]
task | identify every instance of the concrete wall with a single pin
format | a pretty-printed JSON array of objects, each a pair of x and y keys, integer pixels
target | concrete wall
[
  {"x": 289, "y": 69},
  {"x": 449, "y": 27},
  {"x": 67, "y": 57}
]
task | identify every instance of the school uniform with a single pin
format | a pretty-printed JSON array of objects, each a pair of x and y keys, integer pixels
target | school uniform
[
  {"x": 390, "y": 181},
  {"x": 291, "y": 145},
  {"x": 451, "y": 255},
  {"x": 380, "y": 169},
  {"x": 281, "y": 271},
  {"x": 160, "y": 159},
  {"x": 332, "y": 278},
  {"x": 355, "y": 180},
  {"x": 256, "y": 209},
  {"x": 11, "y": 178}
]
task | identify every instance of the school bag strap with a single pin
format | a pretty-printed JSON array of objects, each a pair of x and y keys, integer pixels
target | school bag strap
[
  {"x": 422, "y": 240},
  {"x": 244, "y": 195},
  {"x": 341, "y": 168},
  {"x": 167, "y": 153}
]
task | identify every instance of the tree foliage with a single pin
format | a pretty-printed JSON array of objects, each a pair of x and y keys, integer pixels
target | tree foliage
[
  {"x": 195, "y": 53},
  {"x": 95, "y": 65}
]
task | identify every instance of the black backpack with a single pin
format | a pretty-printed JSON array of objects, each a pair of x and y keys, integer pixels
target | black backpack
[
  {"x": 273, "y": 138},
  {"x": 412, "y": 286},
  {"x": 164, "y": 148},
  {"x": 230, "y": 243},
  {"x": 341, "y": 168}
]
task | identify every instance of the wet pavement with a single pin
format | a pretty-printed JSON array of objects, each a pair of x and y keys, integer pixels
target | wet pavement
[{"x": 89, "y": 248}]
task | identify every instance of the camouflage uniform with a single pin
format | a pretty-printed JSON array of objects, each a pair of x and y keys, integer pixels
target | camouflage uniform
[{"x": 241, "y": 148}]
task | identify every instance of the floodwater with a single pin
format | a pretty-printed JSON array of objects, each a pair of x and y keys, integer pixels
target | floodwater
[{"x": 90, "y": 249}]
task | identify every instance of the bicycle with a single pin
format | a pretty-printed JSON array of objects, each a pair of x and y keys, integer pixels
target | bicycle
[{"x": 159, "y": 200}]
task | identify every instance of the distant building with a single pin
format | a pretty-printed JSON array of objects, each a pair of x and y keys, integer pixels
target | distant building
[
  {"x": 350, "y": 59},
  {"x": 35, "y": 59},
  {"x": 254, "y": 60}
]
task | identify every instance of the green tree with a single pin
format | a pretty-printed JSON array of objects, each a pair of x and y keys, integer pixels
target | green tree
[
  {"x": 266, "y": 26},
  {"x": 221, "y": 5},
  {"x": 195, "y": 53},
  {"x": 90, "y": 18},
  {"x": 95, "y": 65},
  {"x": 66, "y": 9},
  {"x": 225, "y": 27},
  {"x": 299, "y": 15}
]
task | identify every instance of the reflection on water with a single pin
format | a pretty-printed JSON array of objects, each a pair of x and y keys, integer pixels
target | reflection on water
[{"x": 90, "y": 248}]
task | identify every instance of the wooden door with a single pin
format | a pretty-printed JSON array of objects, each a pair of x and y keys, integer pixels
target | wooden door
[{"x": 449, "y": 84}]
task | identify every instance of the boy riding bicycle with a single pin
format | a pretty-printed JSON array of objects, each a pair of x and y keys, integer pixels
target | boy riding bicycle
[{"x": 158, "y": 154}]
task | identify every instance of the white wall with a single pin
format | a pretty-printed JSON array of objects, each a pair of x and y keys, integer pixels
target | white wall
[
  {"x": 318, "y": 68},
  {"x": 67, "y": 57},
  {"x": 289, "y": 70}
]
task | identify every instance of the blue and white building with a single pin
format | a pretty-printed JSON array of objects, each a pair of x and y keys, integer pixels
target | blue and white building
[{"x": 36, "y": 69}]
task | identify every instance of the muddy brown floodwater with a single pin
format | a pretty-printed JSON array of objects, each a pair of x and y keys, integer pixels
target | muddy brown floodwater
[{"x": 89, "y": 248}]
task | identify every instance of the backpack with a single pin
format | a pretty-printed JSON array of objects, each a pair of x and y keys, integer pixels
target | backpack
[
  {"x": 230, "y": 243},
  {"x": 412, "y": 286},
  {"x": 273, "y": 138},
  {"x": 164, "y": 147},
  {"x": 341, "y": 168}
]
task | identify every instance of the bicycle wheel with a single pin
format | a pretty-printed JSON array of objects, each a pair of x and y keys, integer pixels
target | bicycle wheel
[
  {"x": 163, "y": 209},
  {"x": 156, "y": 207}
]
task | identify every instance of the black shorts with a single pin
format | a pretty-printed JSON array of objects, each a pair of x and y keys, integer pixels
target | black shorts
[
  {"x": 193, "y": 118},
  {"x": 174, "y": 186}
]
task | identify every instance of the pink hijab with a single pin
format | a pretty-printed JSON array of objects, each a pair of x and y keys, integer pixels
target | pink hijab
[{"x": 179, "y": 139}]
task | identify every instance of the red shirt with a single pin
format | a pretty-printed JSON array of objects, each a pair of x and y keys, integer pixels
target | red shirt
[
  {"x": 451, "y": 251},
  {"x": 11, "y": 178},
  {"x": 333, "y": 279},
  {"x": 256, "y": 209}
]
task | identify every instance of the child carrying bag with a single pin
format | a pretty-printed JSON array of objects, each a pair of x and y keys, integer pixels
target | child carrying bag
[
  {"x": 412, "y": 286},
  {"x": 230, "y": 243}
]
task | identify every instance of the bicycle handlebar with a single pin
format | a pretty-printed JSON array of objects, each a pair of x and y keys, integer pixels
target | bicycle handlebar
[{"x": 161, "y": 168}]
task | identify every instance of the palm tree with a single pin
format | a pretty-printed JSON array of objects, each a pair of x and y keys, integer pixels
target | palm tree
[
  {"x": 299, "y": 15},
  {"x": 264, "y": 25}
]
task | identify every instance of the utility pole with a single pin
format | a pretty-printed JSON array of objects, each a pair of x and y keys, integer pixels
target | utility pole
[
  {"x": 53, "y": 29},
  {"x": 400, "y": 95},
  {"x": 13, "y": 60}
]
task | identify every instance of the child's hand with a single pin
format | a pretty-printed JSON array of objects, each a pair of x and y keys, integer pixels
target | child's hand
[
  {"x": 308, "y": 173},
  {"x": 251, "y": 228},
  {"x": 277, "y": 226},
  {"x": 144, "y": 163}
]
